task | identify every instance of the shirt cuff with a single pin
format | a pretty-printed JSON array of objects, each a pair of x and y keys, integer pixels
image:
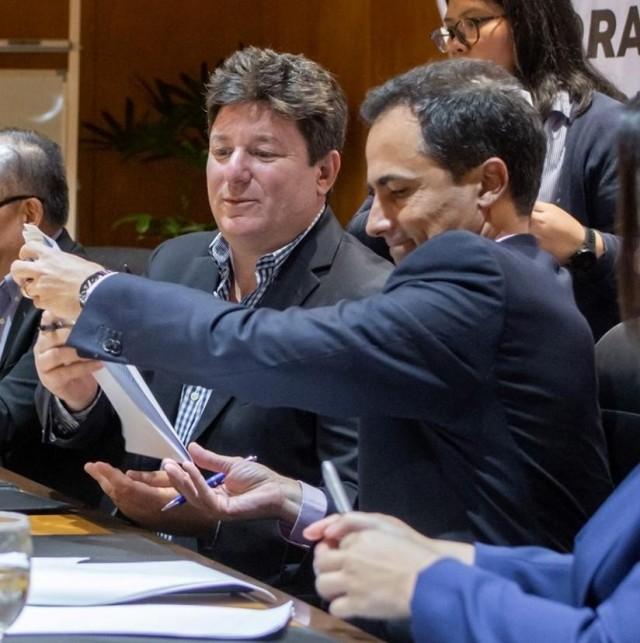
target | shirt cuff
[
  {"x": 312, "y": 508},
  {"x": 66, "y": 423}
]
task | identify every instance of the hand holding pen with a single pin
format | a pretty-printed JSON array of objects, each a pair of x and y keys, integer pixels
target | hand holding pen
[{"x": 212, "y": 482}]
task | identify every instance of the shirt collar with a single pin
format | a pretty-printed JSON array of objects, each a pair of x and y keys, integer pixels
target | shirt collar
[
  {"x": 220, "y": 250},
  {"x": 562, "y": 104}
]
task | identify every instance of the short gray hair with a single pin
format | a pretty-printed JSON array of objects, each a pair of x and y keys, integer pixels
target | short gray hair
[
  {"x": 292, "y": 86},
  {"x": 34, "y": 166}
]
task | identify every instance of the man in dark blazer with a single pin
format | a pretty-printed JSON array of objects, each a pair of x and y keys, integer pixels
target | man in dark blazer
[
  {"x": 318, "y": 264},
  {"x": 33, "y": 189},
  {"x": 473, "y": 370}
]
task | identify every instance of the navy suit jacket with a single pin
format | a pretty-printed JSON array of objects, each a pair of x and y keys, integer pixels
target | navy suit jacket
[
  {"x": 328, "y": 265},
  {"x": 531, "y": 594},
  {"x": 473, "y": 374}
]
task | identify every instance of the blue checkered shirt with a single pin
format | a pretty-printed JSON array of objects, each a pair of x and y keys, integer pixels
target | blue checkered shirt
[{"x": 194, "y": 399}]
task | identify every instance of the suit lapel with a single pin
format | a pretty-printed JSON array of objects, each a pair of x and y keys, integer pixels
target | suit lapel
[
  {"x": 202, "y": 274},
  {"x": 297, "y": 280},
  {"x": 21, "y": 332}
]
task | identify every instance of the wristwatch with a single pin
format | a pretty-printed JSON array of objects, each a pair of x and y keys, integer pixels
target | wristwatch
[
  {"x": 89, "y": 283},
  {"x": 584, "y": 258}
]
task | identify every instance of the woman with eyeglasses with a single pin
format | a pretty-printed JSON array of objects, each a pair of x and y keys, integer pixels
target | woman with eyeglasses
[
  {"x": 539, "y": 41},
  {"x": 461, "y": 593}
]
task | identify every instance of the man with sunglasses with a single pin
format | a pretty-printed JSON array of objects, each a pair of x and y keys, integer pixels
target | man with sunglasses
[{"x": 33, "y": 189}]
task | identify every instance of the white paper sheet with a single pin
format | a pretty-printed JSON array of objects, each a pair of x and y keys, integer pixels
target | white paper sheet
[
  {"x": 145, "y": 427},
  {"x": 65, "y": 582},
  {"x": 154, "y": 620}
]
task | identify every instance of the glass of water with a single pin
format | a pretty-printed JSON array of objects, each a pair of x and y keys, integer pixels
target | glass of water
[{"x": 15, "y": 555}]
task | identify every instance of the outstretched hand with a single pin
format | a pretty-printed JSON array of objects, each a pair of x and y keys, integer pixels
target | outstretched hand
[
  {"x": 140, "y": 495},
  {"x": 250, "y": 490}
]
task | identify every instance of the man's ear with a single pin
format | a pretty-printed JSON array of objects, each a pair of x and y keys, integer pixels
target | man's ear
[
  {"x": 328, "y": 167},
  {"x": 32, "y": 211},
  {"x": 494, "y": 182}
]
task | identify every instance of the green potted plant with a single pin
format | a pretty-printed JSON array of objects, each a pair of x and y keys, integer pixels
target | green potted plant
[{"x": 173, "y": 128}]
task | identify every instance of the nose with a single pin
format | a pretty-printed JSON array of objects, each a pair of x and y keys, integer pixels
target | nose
[
  {"x": 236, "y": 169},
  {"x": 377, "y": 222},
  {"x": 455, "y": 47}
]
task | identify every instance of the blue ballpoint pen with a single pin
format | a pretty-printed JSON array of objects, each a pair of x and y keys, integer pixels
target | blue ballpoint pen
[{"x": 212, "y": 481}]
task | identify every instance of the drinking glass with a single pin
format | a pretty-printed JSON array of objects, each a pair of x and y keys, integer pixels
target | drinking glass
[{"x": 15, "y": 553}]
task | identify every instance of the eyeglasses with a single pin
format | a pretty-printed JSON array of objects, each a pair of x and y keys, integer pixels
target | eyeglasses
[
  {"x": 20, "y": 197},
  {"x": 467, "y": 32}
]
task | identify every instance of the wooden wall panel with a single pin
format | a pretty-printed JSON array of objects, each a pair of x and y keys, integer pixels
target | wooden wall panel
[{"x": 362, "y": 42}]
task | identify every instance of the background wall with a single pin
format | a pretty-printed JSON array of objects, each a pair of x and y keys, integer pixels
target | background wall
[{"x": 363, "y": 42}]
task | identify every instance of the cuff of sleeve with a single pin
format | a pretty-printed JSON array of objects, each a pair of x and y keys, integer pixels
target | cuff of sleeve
[
  {"x": 66, "y": 423},
  {"x": 313, "y": 508}
]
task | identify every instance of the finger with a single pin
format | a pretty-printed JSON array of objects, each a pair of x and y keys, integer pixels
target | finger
[
  {"x": 344, "y": 607},
  {"x": 56, "y": 356},
  {"x": 315, "y": 531},
  {"x": 331, "y": 585},
  {"x": 98, "y": 474},
  {"x": 69, "y": 372},
  {"x": 329, "y": 560},
  {"x": 181, "y": 480},
  {"x": 158, "y": 479},
  {"x": 211, "y": 461},
  {"x": 198, "y": 480},
  {"x": 353, "y": 521},
  {"x": 33, "y": 250},
  {"x": 21, "y": 271},
  {"x": 24, "y": 289}
]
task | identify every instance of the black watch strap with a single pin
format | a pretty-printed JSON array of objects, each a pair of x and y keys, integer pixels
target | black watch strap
[
  {"x": 585, "y": 258},
  {"x": 87, "y": 285}
]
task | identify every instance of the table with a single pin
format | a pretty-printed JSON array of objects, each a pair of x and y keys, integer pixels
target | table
[{"x": 93, "y": 533}]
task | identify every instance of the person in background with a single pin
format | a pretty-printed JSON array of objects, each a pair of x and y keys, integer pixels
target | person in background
[
  {"x": 33, "y": 189},
  {"x": 461, "y": 593},
  {"x": 540, "y": 44},
  {"x": 277, "y": 124}
]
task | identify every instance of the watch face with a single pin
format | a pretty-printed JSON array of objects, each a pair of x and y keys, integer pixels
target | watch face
[{"x": 584, "y": 259}]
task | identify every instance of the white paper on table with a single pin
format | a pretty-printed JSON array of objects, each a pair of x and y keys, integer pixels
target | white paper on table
[
  {"x": 64, "y": 582},
  {"x": 187, "y": 621},
  {"x": 145, "y": 427}
]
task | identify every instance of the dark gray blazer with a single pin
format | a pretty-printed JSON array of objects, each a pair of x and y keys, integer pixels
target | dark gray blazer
[
  {"x": 327, "y": 266},
  {"x": 20, "y": 430}
]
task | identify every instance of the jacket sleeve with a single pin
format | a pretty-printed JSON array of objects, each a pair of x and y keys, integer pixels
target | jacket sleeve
[
  {"x": 324, "y": 360},
  {"x": 453, "y": 602}
]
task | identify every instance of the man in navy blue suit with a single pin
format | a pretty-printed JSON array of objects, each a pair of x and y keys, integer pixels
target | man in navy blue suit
[{"x": 472, "y": 371}]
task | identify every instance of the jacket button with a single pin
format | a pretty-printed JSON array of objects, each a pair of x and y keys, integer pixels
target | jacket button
[{"x": 112, "y": 346}]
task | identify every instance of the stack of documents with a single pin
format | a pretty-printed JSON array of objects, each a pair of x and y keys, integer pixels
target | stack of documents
[
  {"x": 187, "y": 621},
  {"x": 145, "y": 427},
  {"x": 70, "y": 596},
  {"x": 72, "y": 582}
]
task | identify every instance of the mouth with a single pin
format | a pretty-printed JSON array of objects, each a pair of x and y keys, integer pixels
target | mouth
[
  {"x": 400, "y": 248},
  {"x": 239, "y": 201}
]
